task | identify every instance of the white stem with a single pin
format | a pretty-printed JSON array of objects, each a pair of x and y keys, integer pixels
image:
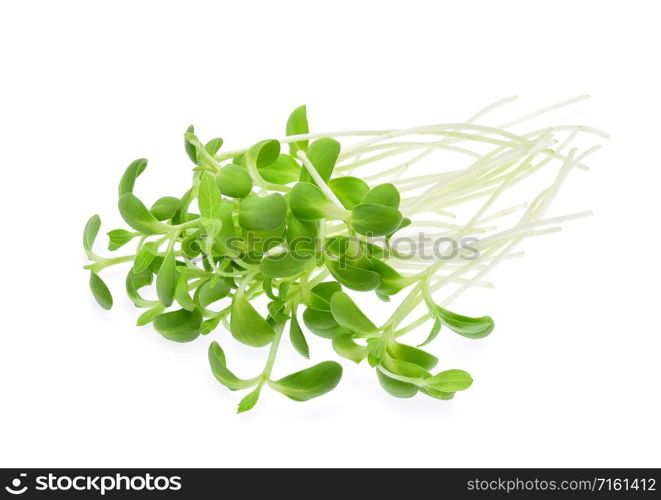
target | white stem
[{"x": 318, "y": 180}]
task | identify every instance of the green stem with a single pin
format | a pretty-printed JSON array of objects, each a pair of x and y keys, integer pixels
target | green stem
[
  {"x": 112, "y": 261},
  {"x": 407, "y": 305},
  {"x": 304, "y": 289},
  {"x": 266, "y": 374},
  {"x": 421, "y": 320},
  {"x": 102, "y": 263}
]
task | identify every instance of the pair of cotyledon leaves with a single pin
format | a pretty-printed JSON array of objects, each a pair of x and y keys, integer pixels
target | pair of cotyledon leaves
[
  {"x": 249, "y": 327},
  {"x": 299, "y": 386},
  {"x": 372, "y": 213}
]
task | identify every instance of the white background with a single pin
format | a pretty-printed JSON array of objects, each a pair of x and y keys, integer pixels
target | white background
[{"x": 571, "y": 375}]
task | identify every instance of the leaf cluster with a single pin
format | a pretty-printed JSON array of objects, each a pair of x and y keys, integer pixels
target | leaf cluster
[{"x": 252, "y": 226}]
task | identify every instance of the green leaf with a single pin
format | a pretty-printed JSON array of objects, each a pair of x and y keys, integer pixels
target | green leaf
[
  {"x": 276, "y": 311},
  {"x": 258, "y": 242},
  {"x": 182, "y": 214},
  {"x": 181, "y": 293},
  {"x": 100, "y": 291},
  {"x": 210, "y": 324},
  {"x": 90, "y": 233},
  {"x": 209, "y": 197},
  {"x": 136, "y": 281},
  {"x": 346, "y": 347},
  {"x": 308, "y": 203},
  {"x": 410, "y": 354},
  {"x": 136, "y": 215},
  {"x": 395, "y": 387},
  {"x": 323, "y": 323},
  {"x": 234, "y": 181},
  {"x": 323, "y": 154},
  {"x": 311, "y": 382},
  {"x": 376, "y": 350},
  {"x": 391, "y": 281},
  {"x": 348, "y": 314},
  {"x": 284, "y": 265},
  {"x": 145, "y": 256},
  {"x": 302, "y": 235},
  {"x": 283, "y": 289},
  {"x": 349, "y": 190},
  {"x": 165, "y": 208},
  {"x": 210, "y": 292},
  {"x": 191, "y": 150},
  {"x": 348, "y": 248},
  {"x": 119, "y": 238},
  {"x": 383, "y": 194},
  {"x": 225, "y": 241},
  {"x": 405, "y": 222},
  {"x": 222, "y": 373},
  {"x": 267, "y": 286},
  {"x": 246, "y": 324},
  {"x": 180, "y": 325},
  {"x": 166, "y": 279},
  {"x": 149, "y": 315},
  {"x": 436, "y": 394},
  {"x": 297, "y": 124},
  {"x": 284, "y": 170},
  {"x": 435, "y": 329},
  {"x": 131, "y": 173},
  {"x": 297, "y": 338},
  {"x": 405, "y": 368},
  {"x": 156, "y": 264},
  {"x": 249, "y": 401},
  {"x": 353, "y": 277},
  {"x": 375, "y": 220},
  {"x": 262, "y": 154},
  {"x": 450, "y": 381},
  {"x": 321, "y": 295},
  {"x": 262, "y": 213},
  {"x": 473, "y": 328},
  {"x": 213, "y": 145},
  {"x": 190, "y": 246}
]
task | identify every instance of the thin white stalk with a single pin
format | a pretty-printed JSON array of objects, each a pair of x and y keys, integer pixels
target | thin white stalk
[
  {"x": 443, "y": 129},
  {"x": 515, "y": 231},
  {"x": 544, "y": 110},
  {"x": 467, "y": 175},
  {"x": 537, "y": 209},
  {"x": 320, "y": 182},
  {"x": 408, "y": 145},
  {"x": 503, "y": 213},
  {"x": 491, "y": 107},
  {"x": 458, "y": 227}
]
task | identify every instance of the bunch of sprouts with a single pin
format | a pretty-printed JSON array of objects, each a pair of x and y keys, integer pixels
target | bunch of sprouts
[{"x": 376, "y": 203}]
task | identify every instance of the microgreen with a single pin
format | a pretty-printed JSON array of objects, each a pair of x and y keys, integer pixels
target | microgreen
[
  {"x": 165, "y": 208},
  {"x": 247, "y": 325},
  {"x": 100, "y": 291},
  {"x": 130, "y": 175},
  {"x": 349, "y": 190},
  {"x": 117, "y": 238},
  {"x": 136, "y": 215},
  {"x": 180, "y": 325},
  {"x": 267, "y": 242},
  {"x": 262, "y": 213},
  {"x": 322, "y": 154},
  {"x": 234, "y": 181},
  {"x": 372, "y": 219}
]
